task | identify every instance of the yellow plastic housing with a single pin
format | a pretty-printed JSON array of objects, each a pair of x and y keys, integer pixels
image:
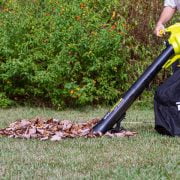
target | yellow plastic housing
[{"x": 174, "y": 40}]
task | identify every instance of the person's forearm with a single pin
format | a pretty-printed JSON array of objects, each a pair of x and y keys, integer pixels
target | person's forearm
[{"x": 166, "y": 15}]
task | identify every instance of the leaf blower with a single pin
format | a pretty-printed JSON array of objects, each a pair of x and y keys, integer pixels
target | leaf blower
[{"x": 112, "y": 119}]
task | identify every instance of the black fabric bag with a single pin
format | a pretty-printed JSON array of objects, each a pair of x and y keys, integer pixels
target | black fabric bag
[{"x": 167, "y": 106}]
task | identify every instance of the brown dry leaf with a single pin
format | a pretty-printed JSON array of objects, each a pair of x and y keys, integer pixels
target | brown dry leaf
[
  {"x": 44, "y": 138},
  {"x": 56, "y": 137},
  {"x": 120, "y": 134},
  {"x": 66, "y": 124},
  {"x": 24, "y": 123},
  {"x": 55, "y": 130},
  {"x": 130, "y": 133},
  {"x": 40, "y": 130},
  {"x": 1, "y": 132},
  {"x": 84, "y": 132},
  {"x": 109, "y": 134},
  {"x": 32, "y": 131}
]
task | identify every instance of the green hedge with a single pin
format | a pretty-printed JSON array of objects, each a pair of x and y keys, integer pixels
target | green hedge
[{"x": 64, "y": 53}]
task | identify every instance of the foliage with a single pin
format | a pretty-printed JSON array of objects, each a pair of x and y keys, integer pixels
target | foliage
[
  {"x": 73, "y": 52},
  {"x": 61, "y": 52},
  {"x": 4, "y": 101}
]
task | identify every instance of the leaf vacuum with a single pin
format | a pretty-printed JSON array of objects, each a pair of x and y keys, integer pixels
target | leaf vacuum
[{"x": 112, "y": 119}]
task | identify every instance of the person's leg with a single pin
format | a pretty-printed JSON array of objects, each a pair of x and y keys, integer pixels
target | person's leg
[{"x": 167, "y": 106}]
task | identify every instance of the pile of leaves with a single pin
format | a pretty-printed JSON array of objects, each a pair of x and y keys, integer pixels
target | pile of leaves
[{"x": 55, "y": 129}]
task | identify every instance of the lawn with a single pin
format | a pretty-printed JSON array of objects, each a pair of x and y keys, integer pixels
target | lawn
[{"x": 146, "y": 156}]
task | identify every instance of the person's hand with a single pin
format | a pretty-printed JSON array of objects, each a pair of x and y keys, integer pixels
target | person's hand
[{"x": 159, "y": 30}]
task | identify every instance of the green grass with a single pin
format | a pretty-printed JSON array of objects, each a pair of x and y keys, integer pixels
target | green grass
[{"x": 146, "y": 156}]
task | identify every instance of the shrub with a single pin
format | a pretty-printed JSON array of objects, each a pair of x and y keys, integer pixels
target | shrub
[
  {"x": 65, "y": 53},
  {"x": 4, "y": 101},
  {"x": 62, "y": 52}
]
